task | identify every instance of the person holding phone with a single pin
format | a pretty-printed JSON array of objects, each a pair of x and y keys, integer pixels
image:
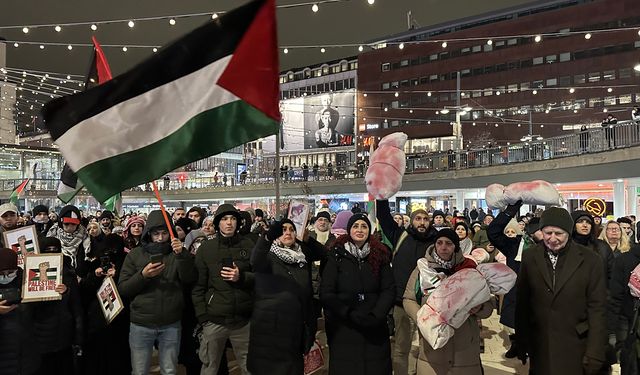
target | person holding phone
[
  {"x": 152, "y": 278},
  {"x": 223, "y": 294},
  {"x": 18, "y": 354}
]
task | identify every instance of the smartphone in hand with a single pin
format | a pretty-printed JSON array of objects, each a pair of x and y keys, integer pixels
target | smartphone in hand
[
  {"x": 11, "y": 296},
  {"x": 156, "y": 258},
  {"x": 227, "y": 262}
]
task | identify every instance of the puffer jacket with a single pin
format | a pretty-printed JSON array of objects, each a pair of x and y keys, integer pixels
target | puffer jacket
[
  {"x": 156, "y": 301},
  {"x": 217, "y": 300},
  {"x": 461, "y": 354}
]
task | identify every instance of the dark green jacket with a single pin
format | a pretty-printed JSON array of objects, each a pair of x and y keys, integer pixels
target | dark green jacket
[
  {"x": 156, "y": 301},
  {"x": 217, "y": 300}
]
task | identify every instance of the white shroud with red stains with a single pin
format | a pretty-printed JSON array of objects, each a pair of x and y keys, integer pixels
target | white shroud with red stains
[
  {"x": 386, "y": 167},
  {"x": 448, "y": 305},
  {"x": 634, "y": 282},
  {"x": 534, "y": 192}
]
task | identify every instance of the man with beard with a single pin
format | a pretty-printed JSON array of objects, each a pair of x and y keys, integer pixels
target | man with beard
[
  {"x": 41, "y": 221},
  {"x": 409, "y": 245}
]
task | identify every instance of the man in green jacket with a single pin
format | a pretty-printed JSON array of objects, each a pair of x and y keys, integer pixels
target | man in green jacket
[
  {"x": 223, "y": 295},
  {"x": 152, "y": 278}
]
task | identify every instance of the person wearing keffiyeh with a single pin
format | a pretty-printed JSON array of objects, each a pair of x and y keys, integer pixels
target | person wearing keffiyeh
[
  {"x": 283, "y": 323},
  {"x": 357, "y": 290},
  {"x": 74, "y": 237}
]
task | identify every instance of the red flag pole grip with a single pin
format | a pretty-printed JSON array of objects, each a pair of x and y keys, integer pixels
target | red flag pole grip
[{"x": 164, "y": 212}]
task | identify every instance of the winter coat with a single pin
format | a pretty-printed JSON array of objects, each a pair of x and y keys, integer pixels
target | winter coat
[
  {"x": 560, "y": 315},
  {"x": 19, "y": 352},
  {"x": 156, "y": 301},
  {"x": 356, "y": 300},
  {"x": 601, "y": 248},
  {"x": 509, "y": 248},
  {"x": 481, "y": 238},
  {"x": 461, "y": 354},
  {"x": 283, "y": 324},
  {"x": 59, "y": 324},
  {"x": 217, "y": 300},
  {"x": 104, "y": 341},
  {"x": 620, "y": 310},
  {"x": 406, "y": 252}
]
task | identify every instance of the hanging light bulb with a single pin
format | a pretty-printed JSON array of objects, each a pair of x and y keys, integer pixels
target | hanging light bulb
[
  {"x": 214, "y": 16},
  {"x": 286, "y": 50},
  {"x": 609, "y": 89},
  {"x": 572, "y": 90},
  {"x": 444, "y": 44},
  {"x": 25, "y": 30},
  {"x": 69, "y": 47},
  {"x": 323, "y": 50},
  {"x": 371, "y": 2},
  {"x": 401, "y": 46},
  {"x": 124, "y": 49},
  {"x": 361, "y": 48},
  {"x": 535, "y": 92},
  {"x": 94, "y": 27},
  {"x": 16, "y": 45},
  {"x": 131, "y": 24},
  {"x": 41, "y": 46},
  {"x": 489, "y": 42},
  {"x": 57, "y": 29},
  {"x": 155, "y": 50},
  {"x": 538, "y": 38},
  {"x": 315, "y": 8},
  {"x": 587, "y": 36}
]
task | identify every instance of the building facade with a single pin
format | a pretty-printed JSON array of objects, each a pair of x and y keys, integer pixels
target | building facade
[{"x": 527, "y": 70}]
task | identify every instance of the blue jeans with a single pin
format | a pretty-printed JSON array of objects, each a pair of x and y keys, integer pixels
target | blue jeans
[{"x": 141, "y": 341}]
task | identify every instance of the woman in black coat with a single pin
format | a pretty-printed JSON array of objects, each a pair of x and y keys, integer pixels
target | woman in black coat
[
  {"x": 59, "y": 325},
  {"x": 283, "y": 324},
  {"x": 357, "y": 291},
  {"x": 106, "y": 349},
  {"x": 584, "y": 233}
]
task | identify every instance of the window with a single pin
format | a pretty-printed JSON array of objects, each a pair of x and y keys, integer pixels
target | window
[
  {"x": 524, "y": 86},
  {"x": 433, "y": 77},
  {"x": 538, "y": 60},
  {"x": 476, "y": 49},
  {"x": 433, "y": 57},
  {"x": 512, "y": 41},
  {"x": 579, "y": 79},
  {"x": 386, "y": 67},
  {"x": 624, "y": 99},
  {"x": 465, "y": 50},
  {"x": 394, "y": 85},
  {"x": 594, "y": 77},
  {"x": 415, "y": 81},
  {"x": 609, "y": 75},
  {"x": 500, "y": 44},
  {"x": 488, "y": 92},
  {"x": 609, "y": 100},
  {"x": 325, "y": 70},
  {"x": 424, "y": 80},
  {"x": 489, "y": 69},
  {"x": 501, "y": 67},
  {"x": 526, "y": 63},
  {"x": 537, "y": 84},
  {"x": 444, "y": 97},
  {"x": 395, "y": 123},
  {"x": 476, "y": 93},
  {"x": 443, "y": 55},
  {"x": 415, "y": 61},
  {"x": 404, "y": 63},
  {"x": 478, "y": 71},
  {"x": 395, "y": 104},
  {"x": 487, "y": 47},
  {"x": 565, "y": 56},
  {"x": 564, "y": 81},
  {"x": 404, "y": 83},
  {"x": 624, "y": 73},
  {"x": 340, "y": 85},
  {"x": 551, "y": 59},
  {"x": 353, "y": 65},
  {"x": 465, "y": 72},
  {"x": 594, "y": 102},
  {"x": 512, "y": 88},
  {"x": 385, "y": 86}
]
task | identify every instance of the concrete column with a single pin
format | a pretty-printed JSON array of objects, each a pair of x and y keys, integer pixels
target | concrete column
[
  {"x": 460, "y": 199},
  {"x": 632, "y": 200},
  {"x": 619, "y": 200}
]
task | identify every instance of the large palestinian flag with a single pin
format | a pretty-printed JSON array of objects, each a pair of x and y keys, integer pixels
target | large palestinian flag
[{"x": 211, "y": 90}]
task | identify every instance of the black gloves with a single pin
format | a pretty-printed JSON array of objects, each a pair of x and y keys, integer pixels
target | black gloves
[
  {"x": 275, "y": 231},
  {"x": 363, "y": 319},
  {"x": 513, "y": 209}
]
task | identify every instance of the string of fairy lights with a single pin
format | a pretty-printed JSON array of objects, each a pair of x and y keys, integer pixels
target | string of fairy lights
[{"x": 34, "y": 88}]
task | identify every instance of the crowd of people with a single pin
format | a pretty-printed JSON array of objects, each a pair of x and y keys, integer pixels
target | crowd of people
[{"x": 195, "y": 284}]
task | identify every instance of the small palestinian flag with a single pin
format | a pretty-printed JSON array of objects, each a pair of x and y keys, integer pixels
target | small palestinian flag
[
  {"x": 28, "y": 245},
  {"x": 211, "y": 90},
  {"x": 15, "y": 194},
  {"x": 34, "y": 274}
]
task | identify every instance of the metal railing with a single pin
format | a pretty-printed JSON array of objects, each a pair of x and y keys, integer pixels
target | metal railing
[{"x": 594, "y": 140}]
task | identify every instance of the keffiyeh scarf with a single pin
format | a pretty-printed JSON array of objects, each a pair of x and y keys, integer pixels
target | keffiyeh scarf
[
  {"x": 357, "y": 252},
  {"x": 71, "y": 241},
  {"x": 287, "y": 255},
  {"x": 441, "y": 262}
]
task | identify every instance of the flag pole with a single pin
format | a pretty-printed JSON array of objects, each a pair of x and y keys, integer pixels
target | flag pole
[
  {"x": 164, "y": 212},
  {"x": 277, "y": 175}
]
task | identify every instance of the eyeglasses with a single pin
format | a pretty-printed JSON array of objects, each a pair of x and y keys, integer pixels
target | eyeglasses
[{"x": 613, "y": 229}]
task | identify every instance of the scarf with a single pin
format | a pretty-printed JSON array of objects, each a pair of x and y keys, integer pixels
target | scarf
[
  {"x": 322, "y": 237},
  {"x": 553, "y": 257},
  {"x": 288, "y": 255},
  {"x": 357, "y": 252},
  {"x": 71, "y": 241},
  {"x": 429, "y": 278},
  {"x": 446, "y": 264},
  {"x": 582, "y": 239}
]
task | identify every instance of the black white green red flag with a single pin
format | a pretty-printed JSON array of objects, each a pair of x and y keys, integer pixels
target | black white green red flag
[
  {"x": 211, "y": 90},
  {"x": 15, "y": 194}
]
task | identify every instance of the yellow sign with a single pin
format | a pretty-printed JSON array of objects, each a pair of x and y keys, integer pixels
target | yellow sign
[{"x": 595, "y": 206}]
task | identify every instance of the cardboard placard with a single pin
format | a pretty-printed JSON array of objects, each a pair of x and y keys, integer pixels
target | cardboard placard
[
  {"x": 42, "y": 273},
  {"x": 299, "y": 214},
  {"x": 23, "y": 240},
  {"x": 109, "y": 298}
]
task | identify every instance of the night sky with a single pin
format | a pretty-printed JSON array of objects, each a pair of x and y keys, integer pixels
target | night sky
[{"x": 352, "y": 22}]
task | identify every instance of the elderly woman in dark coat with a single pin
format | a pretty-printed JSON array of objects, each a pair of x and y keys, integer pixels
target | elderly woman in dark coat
[
  {"x": 283, "y": 324},
  {"x": 357, "y": 291}
]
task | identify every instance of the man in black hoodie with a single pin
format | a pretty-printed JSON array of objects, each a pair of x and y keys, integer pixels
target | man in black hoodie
[
  {"x": 152, "y": 278},
  {"x": 409, "y": 245}
]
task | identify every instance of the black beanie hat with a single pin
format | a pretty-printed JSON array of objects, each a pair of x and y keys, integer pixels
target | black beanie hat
[
  {"x": 287, "y": 221},
  {"x": 50, "y": 242},
  {"x": 8, "y": 259},
  {"x": 438, "y": 213},
  {"x": 356, "y": 217},
  {"x": 40, "y": 208},
  {"x": 557, "y": 217},
  {"x": 106, "y": 214},
  {"x": 186, "y": 224},
  {"x": 461, "y": 223},
  {"x": 579, "y": 215},
  {"x": 323, "y": 214},
  {"x": 624, "y": 220},
  {"x": 450, "y": 234},
  {"x": 533, "y": 225},
  {"x": 259, "y": 213}
]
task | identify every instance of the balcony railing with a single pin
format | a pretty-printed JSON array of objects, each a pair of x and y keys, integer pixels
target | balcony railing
[{"x": 594, "y": 140}]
